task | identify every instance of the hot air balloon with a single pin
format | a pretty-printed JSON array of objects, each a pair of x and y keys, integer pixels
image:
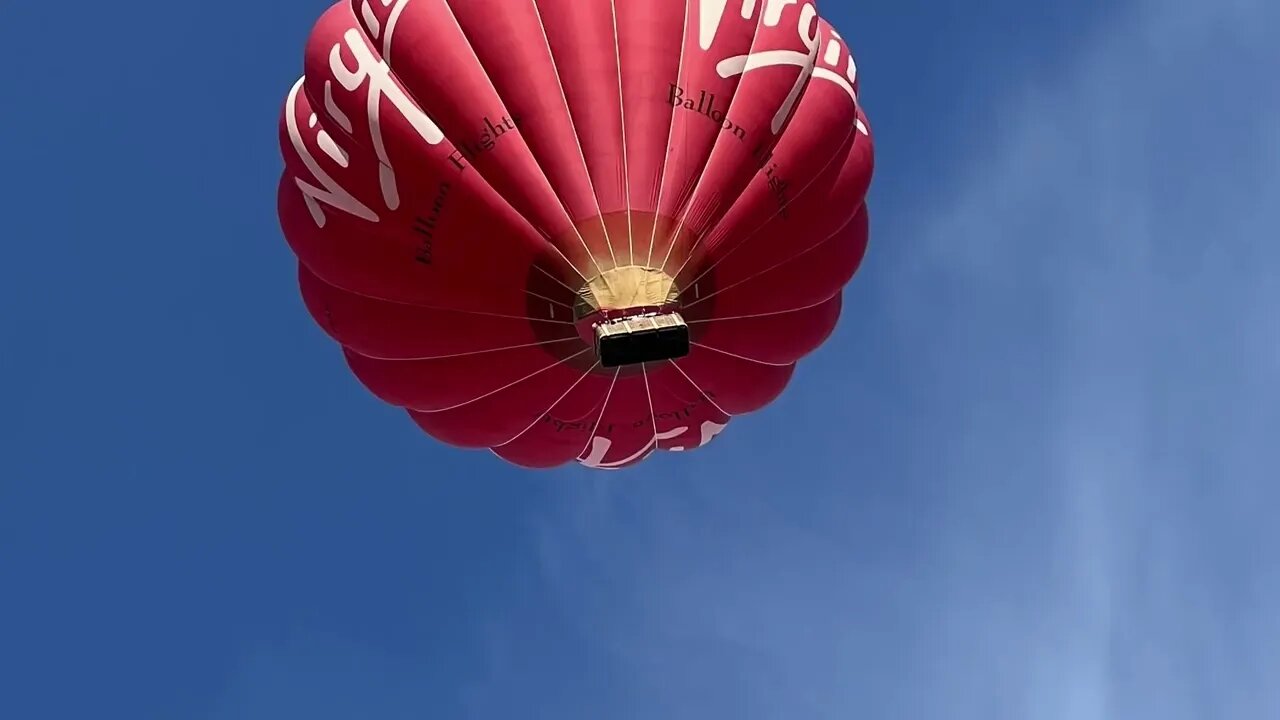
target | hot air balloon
[{"x": 575, "y": 230}]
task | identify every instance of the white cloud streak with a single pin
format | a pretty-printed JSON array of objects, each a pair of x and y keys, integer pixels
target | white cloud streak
[{"x": 1080, "y": 525}]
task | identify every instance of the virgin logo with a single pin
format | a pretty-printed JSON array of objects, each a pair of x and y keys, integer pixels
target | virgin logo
[
  {"x": 359, "y": 69},
  {"x": 374, "y": 72},
  {"x": 600, "y": 446},
  {"x": 816, "y": 62}
]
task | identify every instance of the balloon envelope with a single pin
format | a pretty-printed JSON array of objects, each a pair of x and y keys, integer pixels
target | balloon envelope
[{"x": 575, "y": 230}]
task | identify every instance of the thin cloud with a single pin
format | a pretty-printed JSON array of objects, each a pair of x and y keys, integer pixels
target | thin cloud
[{"x": 1078, "y": 529}]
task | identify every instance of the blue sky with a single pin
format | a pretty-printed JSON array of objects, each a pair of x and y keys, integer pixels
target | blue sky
[{"x": 1032, "y": 476}]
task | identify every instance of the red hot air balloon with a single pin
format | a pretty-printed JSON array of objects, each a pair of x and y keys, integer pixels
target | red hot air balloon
[{"x": 575, "y": 230}]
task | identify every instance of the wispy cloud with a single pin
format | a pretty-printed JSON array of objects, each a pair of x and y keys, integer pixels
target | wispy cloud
[{"x": 1067, "y": 509}]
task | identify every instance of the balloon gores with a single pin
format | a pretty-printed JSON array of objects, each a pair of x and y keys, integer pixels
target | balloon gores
[{"x": 575, "y": 230}]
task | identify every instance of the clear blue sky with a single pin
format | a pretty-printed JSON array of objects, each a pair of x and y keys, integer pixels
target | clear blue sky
[{"x": 1033, "y": 475}]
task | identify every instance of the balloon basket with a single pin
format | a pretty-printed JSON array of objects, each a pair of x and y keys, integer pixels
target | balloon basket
[{"x": 651, "y": 337}]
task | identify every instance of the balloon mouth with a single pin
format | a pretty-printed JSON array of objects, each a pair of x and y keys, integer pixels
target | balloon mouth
[{"x": 629, "y": 315}]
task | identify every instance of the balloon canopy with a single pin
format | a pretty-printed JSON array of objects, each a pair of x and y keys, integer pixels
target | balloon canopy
[{"x": 575, "y": 230}]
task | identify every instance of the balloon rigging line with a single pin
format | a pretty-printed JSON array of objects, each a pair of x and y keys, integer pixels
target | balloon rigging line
[
  {"x": 508, "y": 386},
  {"x": 568, "y": 216},
  {"x": 622, "y": 117},
  {"x": 704, "y": 393},
  {"x": 702, "y": 171},
  {"x": 653, "y": 416},
  {"x": 538, "y": 417},
  {"x": 469, "y": 353},
  {"x": 834, "y": 156},
  {"x": 600, "y": 418},
  {"x": 581, "y": 153},
  {"x": 671, "y": 128},
  {"x": 740, "y": 357}
]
